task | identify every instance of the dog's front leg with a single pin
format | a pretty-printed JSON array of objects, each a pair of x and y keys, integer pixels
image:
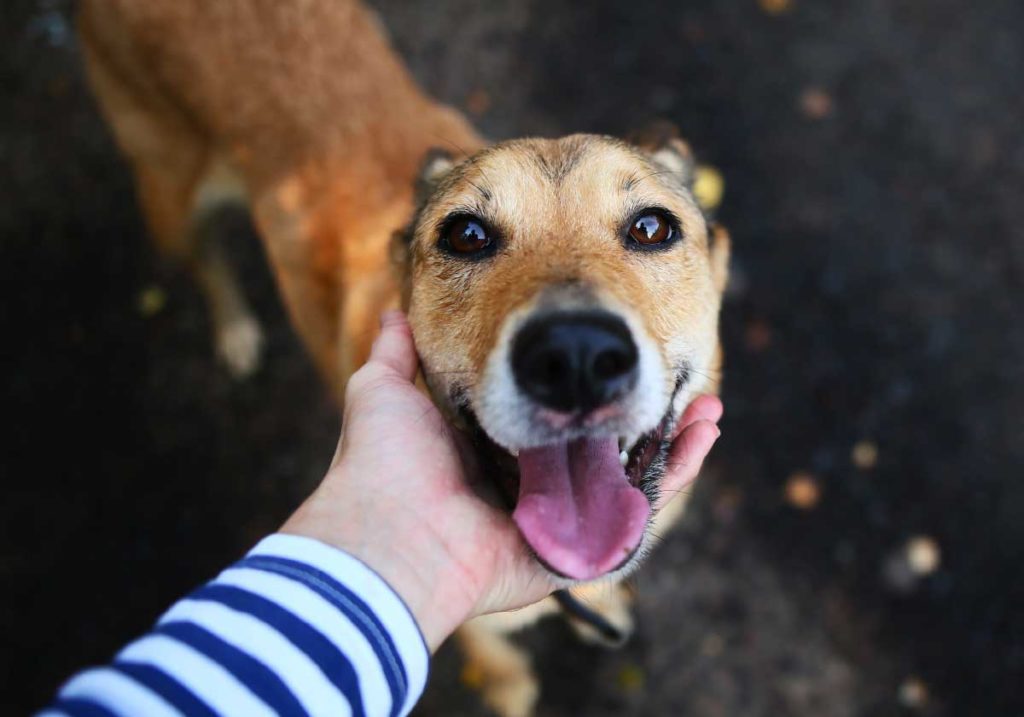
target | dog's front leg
[{"x": 501, "y": 670}]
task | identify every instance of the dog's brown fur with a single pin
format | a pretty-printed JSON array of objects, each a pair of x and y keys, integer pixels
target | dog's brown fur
[
  {"x": 302, "y": 110},
  {"x": 302, "y": 103}
]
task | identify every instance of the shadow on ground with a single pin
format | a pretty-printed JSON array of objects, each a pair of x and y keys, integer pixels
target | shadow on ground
[{"x": 874, "y": 173}]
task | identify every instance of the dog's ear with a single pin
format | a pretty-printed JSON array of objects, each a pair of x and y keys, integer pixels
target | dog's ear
[
  {"x": 719, "y": 250},
  {"x": 435, "y": 166},
  {"x": 661, "y": 141}
]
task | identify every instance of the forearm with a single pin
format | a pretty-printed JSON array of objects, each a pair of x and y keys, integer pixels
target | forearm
[{"x": 295, "y": 627}]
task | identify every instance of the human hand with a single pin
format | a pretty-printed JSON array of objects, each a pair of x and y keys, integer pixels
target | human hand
[{"x": 400, "y": 496}]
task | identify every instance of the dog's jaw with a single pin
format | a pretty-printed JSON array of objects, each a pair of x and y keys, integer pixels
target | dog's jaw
[{"x": 645, "y": 465}]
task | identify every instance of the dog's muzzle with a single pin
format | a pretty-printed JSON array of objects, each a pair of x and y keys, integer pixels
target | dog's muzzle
[
  {"x": 575, "y": 361},
  {"x": 577, "y": 508}
]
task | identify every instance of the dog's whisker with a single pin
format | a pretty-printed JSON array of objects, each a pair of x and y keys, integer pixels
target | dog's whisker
[
  {"x": 657, "y": 173},
  {"x": 707, "y": 372},
  {"x": 675, "y": 493},
  {"x": 447, "y": 140},
  {"x": 677, "y": 464},
  {"x": 712, "y": 369}
]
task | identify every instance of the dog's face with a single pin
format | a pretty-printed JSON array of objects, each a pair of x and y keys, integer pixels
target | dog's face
[{"x": 564, "y": 296}]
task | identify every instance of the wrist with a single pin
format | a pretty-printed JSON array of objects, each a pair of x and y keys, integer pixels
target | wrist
[{"x": 420, "y": 570}]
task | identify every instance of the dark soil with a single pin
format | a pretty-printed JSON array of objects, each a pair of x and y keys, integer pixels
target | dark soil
[{"x": 875, "y": 175}]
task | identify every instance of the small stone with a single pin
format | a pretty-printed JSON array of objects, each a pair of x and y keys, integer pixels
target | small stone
[
  {"x": 802, "y": 491},
  {"x": 775, "y": 7},
  {"x": 864, "y": 455},
  {"x": 708, "y": 187},
  {"x": 913, "y": 693},
  {"x": 151, "y": 301},
  {"x": 815, "y": 103},
  {"x": 923, "y": 555}
]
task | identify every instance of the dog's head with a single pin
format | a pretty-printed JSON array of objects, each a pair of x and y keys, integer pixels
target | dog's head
[{"x": 564, "y": 296}]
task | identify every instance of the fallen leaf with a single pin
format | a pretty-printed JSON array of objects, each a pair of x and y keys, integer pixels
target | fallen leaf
[
  {"x": 775, "y": 7},
  {"x": 708, "y": 187},
  {"x": 472, "y": 676},
  {"x": 802, "y": 491},
  {"x": 758, "y": 335},
  {"x": 923, "y": 555},
  {"x": 631, "y": 678},
  {"x": 913, "y": 692},
  {"x": 864, "y": 455},
  {"x": 478, "y": 102},
  {"x": 151, "y": 301},
  {"x": 815, "y": 103}
]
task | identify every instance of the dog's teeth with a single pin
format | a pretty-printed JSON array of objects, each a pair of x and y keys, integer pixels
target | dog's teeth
[{"x": 624, "y": 458}]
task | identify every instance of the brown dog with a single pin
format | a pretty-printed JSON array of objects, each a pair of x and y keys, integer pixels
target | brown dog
[{"x": 564, "y": 294}]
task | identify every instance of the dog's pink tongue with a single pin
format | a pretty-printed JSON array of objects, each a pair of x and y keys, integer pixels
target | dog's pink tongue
[{"x": 576, "y": 509}]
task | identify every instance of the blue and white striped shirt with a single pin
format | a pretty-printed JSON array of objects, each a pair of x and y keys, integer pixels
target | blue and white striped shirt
[{"x": 294, "y": 628}]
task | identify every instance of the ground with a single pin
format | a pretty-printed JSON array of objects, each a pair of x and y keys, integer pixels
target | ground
[{"x": 874, "y": 172}]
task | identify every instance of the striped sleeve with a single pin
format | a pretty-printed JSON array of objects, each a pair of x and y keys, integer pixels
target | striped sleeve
[{"x": 294, "y": 628}]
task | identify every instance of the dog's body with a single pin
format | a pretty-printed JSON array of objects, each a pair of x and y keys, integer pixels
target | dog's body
[{"x": 302, "y": 110}]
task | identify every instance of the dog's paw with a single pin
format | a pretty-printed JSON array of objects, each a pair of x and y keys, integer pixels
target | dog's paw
[
  {"x": 514, "y": 695},
  {"x": 240, "y": 346}
]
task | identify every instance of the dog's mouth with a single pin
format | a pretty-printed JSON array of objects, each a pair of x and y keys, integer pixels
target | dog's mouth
[{"x": 582, "y": 505}]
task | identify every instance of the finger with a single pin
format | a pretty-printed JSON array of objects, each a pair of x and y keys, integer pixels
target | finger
[
  {"x": 686, "y": 457},
  {"x": 394, "y": 346},
  {"x": 703, "y": 408}
]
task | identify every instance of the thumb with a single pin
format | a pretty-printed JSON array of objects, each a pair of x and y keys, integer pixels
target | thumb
[{"x": 394, "y": 346}]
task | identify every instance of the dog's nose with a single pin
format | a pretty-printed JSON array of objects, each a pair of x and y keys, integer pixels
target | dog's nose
[{"x": 575, "y": 361}]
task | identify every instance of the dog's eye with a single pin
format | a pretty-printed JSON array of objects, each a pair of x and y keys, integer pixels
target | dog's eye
[
  {"x": 467, "y": 236},
  {"x": 652, "y": 228}
]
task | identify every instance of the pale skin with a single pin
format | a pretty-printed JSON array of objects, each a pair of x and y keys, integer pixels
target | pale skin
[{"x": 403, "y": 495}]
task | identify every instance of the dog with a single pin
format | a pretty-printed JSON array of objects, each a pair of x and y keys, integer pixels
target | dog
[{"x": 563, "y": 293}]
